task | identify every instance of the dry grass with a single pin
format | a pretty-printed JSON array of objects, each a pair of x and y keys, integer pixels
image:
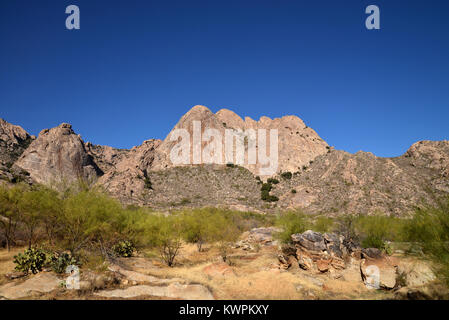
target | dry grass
[{"x": 250, "y": 276}]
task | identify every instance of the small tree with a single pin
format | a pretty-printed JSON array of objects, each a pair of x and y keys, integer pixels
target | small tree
[
  {"x": 169, "y": 238},
  {"x": 198, "y": 226},
  {"x": 225, "y": 232},
  {"x": 9, "y": 212}
]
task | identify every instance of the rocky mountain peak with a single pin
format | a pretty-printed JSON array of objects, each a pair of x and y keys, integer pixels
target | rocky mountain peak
[
  {"x": 297, "y": 144},
  {"x": 58, "y": 154}
]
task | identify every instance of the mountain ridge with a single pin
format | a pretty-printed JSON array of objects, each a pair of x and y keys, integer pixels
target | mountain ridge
[{"x": 323, "y": 180}]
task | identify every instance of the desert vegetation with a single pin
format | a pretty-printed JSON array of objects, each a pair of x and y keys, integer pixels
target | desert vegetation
[
  {"x": 82, "y": 223},
  {"x": 83, "y": 226}
]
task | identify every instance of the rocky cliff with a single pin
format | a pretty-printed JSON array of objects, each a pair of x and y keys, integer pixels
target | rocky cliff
[
  {"x": 312, "y": 176},
  {"x": 58, "y": 155},
  {"x": 13, "y": 142}
]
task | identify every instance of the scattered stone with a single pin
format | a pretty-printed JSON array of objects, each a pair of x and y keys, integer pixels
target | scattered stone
[{"x": 323, "y": 265}]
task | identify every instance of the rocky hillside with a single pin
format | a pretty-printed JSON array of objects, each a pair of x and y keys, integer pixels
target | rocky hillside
[
  {"x": 342, "y": 182},
  {"x": 312, "y": 176},
  {"x": 13, "y": 142}
]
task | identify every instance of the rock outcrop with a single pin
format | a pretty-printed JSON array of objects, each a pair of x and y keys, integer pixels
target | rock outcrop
[
  {"x": 13, "y": 142},
  {"x": 339, "y": 182},
  {"x": 298, "y": 143},
  {"x": 129, "y": 179},
  {"x": 319, "y": 179},
  {"x": 58, "y": 155}
]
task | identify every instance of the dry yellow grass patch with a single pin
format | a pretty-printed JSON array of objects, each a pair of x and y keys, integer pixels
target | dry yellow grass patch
[{"x": 252, "y": 276}]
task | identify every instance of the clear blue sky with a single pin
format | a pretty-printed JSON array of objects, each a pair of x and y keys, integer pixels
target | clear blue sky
[{"x": 137, "y": 66}]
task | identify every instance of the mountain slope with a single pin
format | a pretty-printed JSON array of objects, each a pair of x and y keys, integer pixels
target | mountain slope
[{"x": 323, "y": 180}]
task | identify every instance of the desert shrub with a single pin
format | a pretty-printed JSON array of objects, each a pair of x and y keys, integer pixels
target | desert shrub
[
  {"x": 265, "y": 196},
  {"x": 429, "y": 229},
  {"x": 266, "y": 187},
  {"x": 293, "y": 191},
  {"x": 199, "y": 226},
  {"x": 230, "y": 165},
  {"x": 346, "y": 226},
  {"x": 265, "y": 192},
  {"x": 31, "y": 259},
  {"x": 272, "y": 181},
  {"x": 286, "y": 175},
  {"x": 168, "y": 237},
  {"x": 148, "y": 184},
  {"x": 225, "y": 235},
  {"x": 323, "y": 224},
  {"x": 10, "y": 212},
  {"x": 124, "y": 248},
  {"x": 291, "y": 222},
  {"x": 374, "y": 231},
  {"x": 90, "y": 219}
]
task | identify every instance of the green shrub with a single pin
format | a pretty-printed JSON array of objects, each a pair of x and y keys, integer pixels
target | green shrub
[
  {"x": 31, "y": 259},
  {"x": 291, "y": 223},
  {"x": 124, "y": 248},
  {"x": 148, "y": 184},
  {"x": 266, "y": 187},
  {"x": 429, "y": 229},
  {"x": 374, "y": 231},
  {"x": 272, "y": 181},
  {"x": 286, "y": 175},
  {"x": 60, "y": 262},
  {"x": 323, "y": 224},
  {"x": 293, "y": 191}
]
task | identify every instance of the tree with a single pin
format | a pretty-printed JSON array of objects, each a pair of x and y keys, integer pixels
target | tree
[
  {"x": 169, "y": 238},
  {"x": 225, "y": 232},
  {"x": 198, "y": 227},
  {"x": 89, "y": 217},
  {"x": 9, "y": 212}
]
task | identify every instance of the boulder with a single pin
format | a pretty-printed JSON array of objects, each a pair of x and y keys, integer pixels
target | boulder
[
  {"x": 304, "y": 261},
  {"x": 373, "y": 253},
  {"x": 323, "y": 265}
]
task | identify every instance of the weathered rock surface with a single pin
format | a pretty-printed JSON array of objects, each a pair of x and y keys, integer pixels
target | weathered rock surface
[
  {"x": 41, "y": 283},
  {"x": 339, "y": 182},
  {"x": 58, "y": 155},
  {"x": 13, "y": 142},
  {"x": 324, "y": 180},
  {"x": 299, "y": 143},
  {"x": 174, "y": 291},
  {"x": 129, "y": 179}
]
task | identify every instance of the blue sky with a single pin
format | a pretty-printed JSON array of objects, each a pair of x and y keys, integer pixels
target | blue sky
[{"x": 136, "y": 66}]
